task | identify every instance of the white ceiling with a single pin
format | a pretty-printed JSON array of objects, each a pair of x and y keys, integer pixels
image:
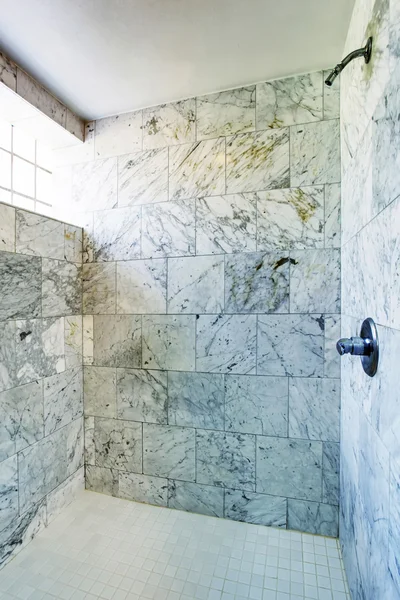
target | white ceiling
[{"x": 104, "y": 57}]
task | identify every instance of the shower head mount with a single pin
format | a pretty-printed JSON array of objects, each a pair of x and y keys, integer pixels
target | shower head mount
[{"x": 364, "y": 52}]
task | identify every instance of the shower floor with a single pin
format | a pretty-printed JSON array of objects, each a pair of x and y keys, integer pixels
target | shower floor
[{"x": 103, "y": 547}]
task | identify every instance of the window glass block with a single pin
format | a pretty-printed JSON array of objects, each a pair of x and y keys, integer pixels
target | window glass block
[
  {"x": 5, "y": 135},
  {"x": 23, "y": 144},
  {"x": 23, "y": 202},
  {"x": 23, "y": 177},
  {"x": 43, "y": 185},
  {"x": 44, "y": 156},
  {"x": 5, "y": 169}
]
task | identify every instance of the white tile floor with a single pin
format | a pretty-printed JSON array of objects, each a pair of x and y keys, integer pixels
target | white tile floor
[{"x": 103, "y": 547}]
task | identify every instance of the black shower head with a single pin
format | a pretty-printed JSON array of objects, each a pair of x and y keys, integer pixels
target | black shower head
[{"x": 365, "y": 52}]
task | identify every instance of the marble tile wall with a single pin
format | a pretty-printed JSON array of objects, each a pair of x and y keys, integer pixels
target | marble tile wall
[
  {"x": 370, "y": 438},
  {"x": 41, "y": 379},
  {"x": 211, "y": 303}
]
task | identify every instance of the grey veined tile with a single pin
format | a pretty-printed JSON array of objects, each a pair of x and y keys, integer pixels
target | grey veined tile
[
  {"x": 168, "y": 342},
  {"x": 332, "y": 215},
  {"x": 313, "y": 517},
  {"x": 73, "y": 240},
  {"x": 315, "y": 153},
  {"x": 116, "y": 234},
  {"x": 169, "y": 124},
  {"x": 314, "y": 409},
  {"x": 226, "y": 113},
  {"x": 143, "y": 488},
  {"x": 99, "y": 288},
  {"x": 287, "y": 467},
  {"x": 142, "y": 395},
  {"x": 39, "y": 236},
  {"x": 61, "y": 288},
  {"x": 21, "y": 418},
  {"x": 118, "y": 134},
  {"x": 291, "y": 218},
  {"x": 289, "y": 101},
  {"x": 117, "y": 340},
  {"x": 256, "y": 282},
  {"x": 197, "y": 169},
  {"x": 63, "y": 399},
  {"x": 226, "y": 344},
  {"x": 73, "y": 332},
  {"x": 291, "y": 345},
  {"x": 7, "y": 227},
  {"x": 104, "y": 481},
  {"x": 225, "y": 459},
  {"x": 21, "y": 286},
  {"x": 256, "y": 404},
  {"x": 8, "y": 491},
  {"x": 143, "y": 177},
  {"x": 259, "y": 509},
  {"x": 169, "y": 451},
  {"x": 8, "y": 377},
  {"x": 142, "y": 286},
  {"x": 196, "y": 284},
  {"x": 331, "y": 99},
  {"x": 168, "y": 229},
  {"x": 315, "y": 281},
  {"x": 40, "y": 350},
  {"x": 200, "y": 499},
  {"x": 226, "y": 224},
  {"x": 256, "y": 161},
  {"x": 330, "y": 472},
  {"x": 99, "y": 386},
  {"x": 118, "y": 444},
  {"x": 196, "y": 400},
  {"x": 94, "y": 185}
]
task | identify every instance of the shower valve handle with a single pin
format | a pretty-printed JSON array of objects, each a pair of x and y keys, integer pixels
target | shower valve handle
[{"x": 356, "y": 346}]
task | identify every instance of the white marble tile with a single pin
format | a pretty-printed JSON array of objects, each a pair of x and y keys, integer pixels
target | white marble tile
[
  {"x": 394, "y": 218},
  {"x": 169, "y": 124},
  {"x": 197, "y": 169},
  {"x": 314, "y": 409},
  {"x": 142, "y": 286},
  {"x": 143, "y": 177},
  {"x": 118, "y": 444},
  {"x": 94, "y": 185},
  {"x": 332, "y": 216},
  {"x": 7, "y": 227},
  {"x": 142, "y": 396},
  {"x": 8, "y": 72},
  {"x": 8, "y": 491},
  {"x": 330, "y": 473},
  {"x": 40, "y": 348},
  {"x": 99, "y": 293},
  {"x": 62, "y": 399},
  {"x": 256, "y": 404},
  {"x": 73, "y": 243},
  {"x": 118, "y": 135},
  {"x": 117, "y": 340},
  {"x": 73, "y": 332},
  {"x": 257, "y": 161},
  {"x": 226, "y": 224},
  {"x": 168, "y": 229},
  {"x": 192, "y": 497},
  {"x": 61, "y": 288},
  {"x": 143, "y": 488},
  {"x": 7, "y": 355},
  {"x": 289, "y": 101},
  {"x": 87, "y": 339},
  {"x": 315, "y": 281},
  {"x": 290, "y": 345},
  {"x": 257, "y": 282},
  {"x": 394, "y": 525},
  {"x": 287, "y": 467},
  {"x": 258, "y": 509},
  {"x": 21, "y": 531},
  {"x": 226, "y": 344},
  {"x": 31, "y": 91},
  {"x": 64, "y": 494},
  {"x": 168, "y": 342},
  {"x": 290, "y": 218},
  {"x": 196, "y": 284},
  {"x": 90, "y": 455},
  {"x": 116, "y": 234},
  {"x": 39, "y": 236},
  {"x": 332, "y": 335},
  {"x": 226, "y": 113},
  {"x": 313, "y": 517},
  {"x": 99, "y": 387},
  {"x": 71, "y": 155},
  {"x": 331, "y": 98},
  {"x": 101, "y": 480},
  {"x": 315, "y": 153},
  {"x": 196, "y": 400},
  {"x": 225, "y": 459},
  {"x": 169, "y": 451}
]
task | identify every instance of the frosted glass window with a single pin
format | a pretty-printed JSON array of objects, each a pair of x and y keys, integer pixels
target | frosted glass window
[
  {"x": 43, "y": 185},
  {"x": 5, "y": 169},
  {"x": 23, "y": 177},
  {"x": 23, "y": 145},
  {"x": 5, "y": 196},
  {"x": 44, "y": 156},
  {"x": 5, "y": 135},
  {"x": 23, "y": 202}
]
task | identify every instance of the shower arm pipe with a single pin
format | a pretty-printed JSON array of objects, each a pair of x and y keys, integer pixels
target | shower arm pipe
[{"x": 361, "y": 52}]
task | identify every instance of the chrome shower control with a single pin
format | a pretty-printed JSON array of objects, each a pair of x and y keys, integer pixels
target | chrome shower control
[{"x": 366, "y": 346}]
